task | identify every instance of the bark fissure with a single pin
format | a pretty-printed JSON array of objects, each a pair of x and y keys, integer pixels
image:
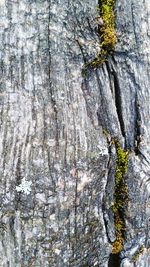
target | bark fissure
[
  {"x": 137, "y": 136},
  {"x": 114, "y": 260},
  {"x": 118, "y": 103},
  {"x": 120, "y": 198}
]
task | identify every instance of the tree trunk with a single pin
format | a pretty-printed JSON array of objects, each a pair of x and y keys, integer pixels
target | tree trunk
[{"x": 66, "y": 132}]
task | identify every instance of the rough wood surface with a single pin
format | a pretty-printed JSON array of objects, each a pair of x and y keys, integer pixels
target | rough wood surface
[{"x": 57, "y": 167}]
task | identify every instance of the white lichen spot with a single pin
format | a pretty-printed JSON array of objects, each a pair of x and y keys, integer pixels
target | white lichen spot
[
  {"x": 57, "y": 251},
  {"x": 52, "y": 217},
  {"x": 103, "y": 151},
  {"x": 24, "y": 187}
]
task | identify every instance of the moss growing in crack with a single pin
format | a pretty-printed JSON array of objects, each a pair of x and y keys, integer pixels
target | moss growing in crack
[
  {"x": 120, "y": 196},
  {"x": 106, "y": 30},
  {"x": 138, "y": 253}
]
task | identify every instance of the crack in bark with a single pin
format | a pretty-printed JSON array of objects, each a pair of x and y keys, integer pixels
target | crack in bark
[
  {"x": 114, "y": 260},
  {"x": 137, "y": 135},
  {"x": 118, "y": 104},
  {"x": 118, "y": 100}
]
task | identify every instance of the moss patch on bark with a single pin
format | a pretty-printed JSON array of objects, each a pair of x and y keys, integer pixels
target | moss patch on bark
[
  {"x": 120, "y": 196},
  {"x": 106, "y": 30}
]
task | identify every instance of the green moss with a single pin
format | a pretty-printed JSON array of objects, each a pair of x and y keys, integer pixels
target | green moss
[
  {"x": 138, "y": 253},
  {"x": 106, "y": 31},
  {"x": 120, "y": 196},
  {"x": 105, "y": 132}
]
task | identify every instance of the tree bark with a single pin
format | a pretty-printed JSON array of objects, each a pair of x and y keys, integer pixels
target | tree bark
[{"x": 58, "y": 126}]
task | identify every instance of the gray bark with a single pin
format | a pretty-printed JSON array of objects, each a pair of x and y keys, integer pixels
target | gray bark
[{"x": 52, "y": 117}]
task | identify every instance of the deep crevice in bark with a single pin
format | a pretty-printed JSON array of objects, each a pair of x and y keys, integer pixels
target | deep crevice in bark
[
  {"x": 118, "y": 100},
  {"x": 137, "y": 136},
  {"x": 114, "y": 260},
  {"x": 120, "y": 198},
  {"x": 118, "y": 103}
]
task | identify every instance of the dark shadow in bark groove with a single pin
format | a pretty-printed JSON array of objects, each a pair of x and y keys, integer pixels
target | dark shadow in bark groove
[
  {"x": 118, "y": 103},
  {"x": 117, "y": 94},
  {"x": 137, "y": 135},
  {"x": 114, "y": 260}
]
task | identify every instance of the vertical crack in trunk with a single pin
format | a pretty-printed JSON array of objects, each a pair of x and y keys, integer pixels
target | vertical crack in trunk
[
  {"x": 118, "y": 103},
  {"x": 137, "y": 135},
  {"x": 120, "y": 200},
  {"x": 120, "y": 186},
  {"x": 114, "y": 260},
  {"x": 118, "y": 100}
]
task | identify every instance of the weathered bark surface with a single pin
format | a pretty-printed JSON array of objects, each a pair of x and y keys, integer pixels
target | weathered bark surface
[{"x": 52, "y": 121}]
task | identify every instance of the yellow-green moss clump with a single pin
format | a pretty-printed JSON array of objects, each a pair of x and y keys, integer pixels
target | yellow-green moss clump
[
  {"x": 120, "y": 196},
  {"x": 138, "y": 253},
  {"x": 106, "y": 30}
]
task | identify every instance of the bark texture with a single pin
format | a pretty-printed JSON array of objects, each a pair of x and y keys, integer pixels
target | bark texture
[{"x": 58, "y": 161}]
